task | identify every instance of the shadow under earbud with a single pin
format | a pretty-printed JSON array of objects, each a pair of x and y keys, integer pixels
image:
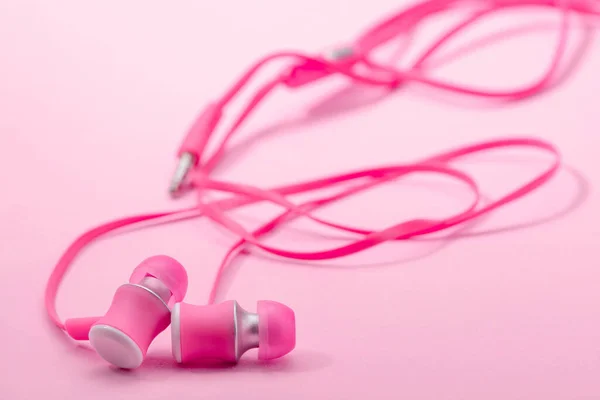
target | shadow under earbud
[
  {"x": 298, "y": 361},
  {"x": 162, "y": 363}
]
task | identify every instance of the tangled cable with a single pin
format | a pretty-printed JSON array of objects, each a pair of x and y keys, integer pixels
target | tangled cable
[{"x": 196, "y": 169}]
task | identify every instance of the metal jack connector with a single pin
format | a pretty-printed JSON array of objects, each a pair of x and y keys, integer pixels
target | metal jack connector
[{"x": 185, "y": 164}]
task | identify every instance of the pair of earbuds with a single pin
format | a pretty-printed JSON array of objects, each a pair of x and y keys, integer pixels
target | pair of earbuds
[{"x": 153, "y": 300}]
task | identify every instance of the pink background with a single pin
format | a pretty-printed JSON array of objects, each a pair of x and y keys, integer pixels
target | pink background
[{"x": 86, "y": 88}]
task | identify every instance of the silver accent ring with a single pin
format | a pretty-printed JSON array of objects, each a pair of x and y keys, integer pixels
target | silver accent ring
[{"x": 150, "y": 291}]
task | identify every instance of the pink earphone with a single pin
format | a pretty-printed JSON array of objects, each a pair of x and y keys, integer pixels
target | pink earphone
[{"x": 153, "y": 298}]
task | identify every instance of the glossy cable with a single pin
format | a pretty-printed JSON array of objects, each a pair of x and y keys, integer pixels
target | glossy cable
[{"x": 305, "y": 69}]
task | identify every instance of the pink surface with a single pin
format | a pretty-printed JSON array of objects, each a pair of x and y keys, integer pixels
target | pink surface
[{"x": 95, "y": 100}]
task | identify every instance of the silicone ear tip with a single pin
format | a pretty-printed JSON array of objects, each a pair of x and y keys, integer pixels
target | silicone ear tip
[
  {"x": 167, "y": 270},
  {"x": 276, "y": 329}
]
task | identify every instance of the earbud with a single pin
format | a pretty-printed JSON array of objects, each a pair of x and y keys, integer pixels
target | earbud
[
  {"x": 226, "y": 331},
  {"x": 140, "y": 310}
]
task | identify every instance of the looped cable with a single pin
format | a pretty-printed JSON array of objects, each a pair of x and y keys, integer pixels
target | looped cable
[{"x": 198, "y": 169}]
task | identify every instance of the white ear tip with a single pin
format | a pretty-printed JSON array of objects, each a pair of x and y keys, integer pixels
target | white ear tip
[{"x": 115, "y": 347}]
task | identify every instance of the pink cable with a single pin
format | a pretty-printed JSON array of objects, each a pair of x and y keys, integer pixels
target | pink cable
[{"x": 303, "y": 70}]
